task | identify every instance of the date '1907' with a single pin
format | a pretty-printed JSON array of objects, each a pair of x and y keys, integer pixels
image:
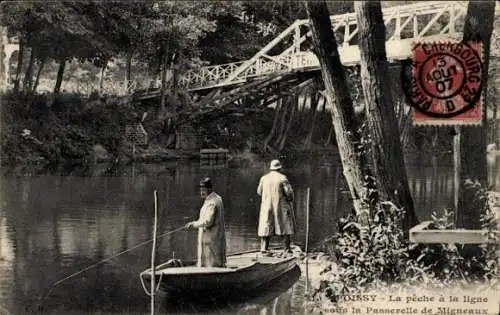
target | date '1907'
[{"x": 446, "y": 81}]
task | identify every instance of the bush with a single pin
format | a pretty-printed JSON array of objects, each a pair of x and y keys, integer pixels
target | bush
[
  {"x": 63, "y": 129},
  {"x": 373, "y": 255},
  {"x": 469, "y": 263},
  {"x": 379, "y": 255}
]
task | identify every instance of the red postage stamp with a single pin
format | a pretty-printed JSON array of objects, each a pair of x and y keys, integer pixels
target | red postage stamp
[{"x": 446, "y": 84}]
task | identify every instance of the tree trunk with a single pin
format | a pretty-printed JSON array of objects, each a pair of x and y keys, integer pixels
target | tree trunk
[
  {"x": 28, "y": 76},
  {"x": 323, "y": 104},
  {"x": 405, "y": 131},
  {"x": 329, "y": 138},
  {"x": 471, "y": 143},
  {"x": 282, "y": 123},
  {"x": 101, "y": 77},
  {"x": 293, "y": 106},
  {"x": 173, "y": 80},
  {"x": 312, "y": 121},
  {"x": 401, "y": 112},
  {"x": 404, "y": 112},
  {"x": 354, "y": 165},
  {"x": 164, "y": 68},
  {"x": 19, "y": 65},
  {"x": 386, "y": 150},
  {"x": 60, "y": 74},
  {"x": 277, "y": 112},
  {"x": 493, "y": 98},
  {"x": 163, "y": 91},
  {"x": 37, "y": 78},
  {"x": 128, "y": 72}
]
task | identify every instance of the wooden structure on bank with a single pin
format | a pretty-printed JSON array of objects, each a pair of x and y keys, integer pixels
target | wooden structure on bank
[
  {"x": 214, "y": 158},
  {"x": 421, "y": 234},
  {"x": 136, "y": 134},
  {"x": 187, "y": 138}
]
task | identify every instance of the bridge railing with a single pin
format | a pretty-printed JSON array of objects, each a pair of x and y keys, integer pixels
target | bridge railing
[
  {"x": 208, "y": 74},
  {"x": 412, "y": 21},
  {"x": 436, "y": 20}
]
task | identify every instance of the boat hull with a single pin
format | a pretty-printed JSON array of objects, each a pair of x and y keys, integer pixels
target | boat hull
[{"x": 245, "y": 273}]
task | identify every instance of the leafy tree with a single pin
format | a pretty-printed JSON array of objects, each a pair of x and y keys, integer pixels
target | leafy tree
[
  {"x": 174, "y": 31},
  {"x": 90, "y": 31},
  {"x": 233, "y": 40},
  {"x": 16, "y": 16}
]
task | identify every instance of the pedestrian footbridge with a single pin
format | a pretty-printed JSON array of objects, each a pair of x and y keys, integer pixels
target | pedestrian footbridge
[{"x": 429, "y": 21}]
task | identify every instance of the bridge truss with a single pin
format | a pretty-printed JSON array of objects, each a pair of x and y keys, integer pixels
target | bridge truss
[{"x": 429, "y": 21}]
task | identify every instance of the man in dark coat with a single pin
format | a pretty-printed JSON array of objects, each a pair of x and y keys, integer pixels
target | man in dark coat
[{"x": 210, "y": 225}]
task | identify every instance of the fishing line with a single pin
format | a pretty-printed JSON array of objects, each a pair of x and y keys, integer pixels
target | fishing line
[{"x": 103, "y": 261}]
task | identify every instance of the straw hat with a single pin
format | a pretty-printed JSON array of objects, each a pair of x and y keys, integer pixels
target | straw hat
[{"x": 275, "y": 165}]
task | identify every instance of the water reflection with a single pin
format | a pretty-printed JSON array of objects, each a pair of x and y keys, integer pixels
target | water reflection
[
  {"x": 273, "y": 299},
  {"x": 52, "y": 226}
]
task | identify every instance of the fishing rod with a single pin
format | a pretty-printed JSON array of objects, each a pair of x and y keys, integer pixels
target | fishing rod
[{"x": 52, "y": 286}]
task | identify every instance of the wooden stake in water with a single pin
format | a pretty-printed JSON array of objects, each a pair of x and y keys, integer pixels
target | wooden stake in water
[
  {"x": 456, "y": 172},
  {"x": 307, "y": 236},
  {"x": 153, "y": 254},
  {"x": 2, "y": 224}
]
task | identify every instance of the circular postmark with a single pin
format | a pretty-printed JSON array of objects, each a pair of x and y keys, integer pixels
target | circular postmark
[{"x": 446, "y": 79}]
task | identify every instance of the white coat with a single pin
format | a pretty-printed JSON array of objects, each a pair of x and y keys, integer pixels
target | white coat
[{"x": 276, "y": 211}]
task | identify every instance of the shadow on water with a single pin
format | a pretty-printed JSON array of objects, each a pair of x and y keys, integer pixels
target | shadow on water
[
  {"x": 53, "y": 225},
  {"x": 99, "y": 290},
  {"x": 236, "y": 303}
]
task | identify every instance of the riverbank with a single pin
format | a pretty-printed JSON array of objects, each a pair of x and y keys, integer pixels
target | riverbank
[
  {"x": 381, "y": 272},
  {"x": 41, "y": 131}
]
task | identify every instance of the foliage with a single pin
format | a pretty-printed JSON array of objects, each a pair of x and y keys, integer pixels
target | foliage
[
  {"x": 379, "y": 255},
  {"x": 271, "y": 17},
  {"x": 175, "y": 29},
  {"x": 60, "y": 30},
  {"x": 197, "y": 33},
  {"x": 233, "y": 40},
  {"x": 465, "y": 262},
  {"x": 62, "y": 130}
]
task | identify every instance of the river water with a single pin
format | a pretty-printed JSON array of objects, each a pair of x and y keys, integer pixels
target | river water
[{"x": 53, "y": 225}]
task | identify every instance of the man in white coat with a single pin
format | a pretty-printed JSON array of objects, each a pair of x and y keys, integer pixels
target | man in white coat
[
  {"x": 210, "y": 225},
  {"x": 276, "y": 210}
]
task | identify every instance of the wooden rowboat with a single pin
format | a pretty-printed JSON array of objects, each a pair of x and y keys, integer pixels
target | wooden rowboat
[{"x": 244, "y": 272}]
